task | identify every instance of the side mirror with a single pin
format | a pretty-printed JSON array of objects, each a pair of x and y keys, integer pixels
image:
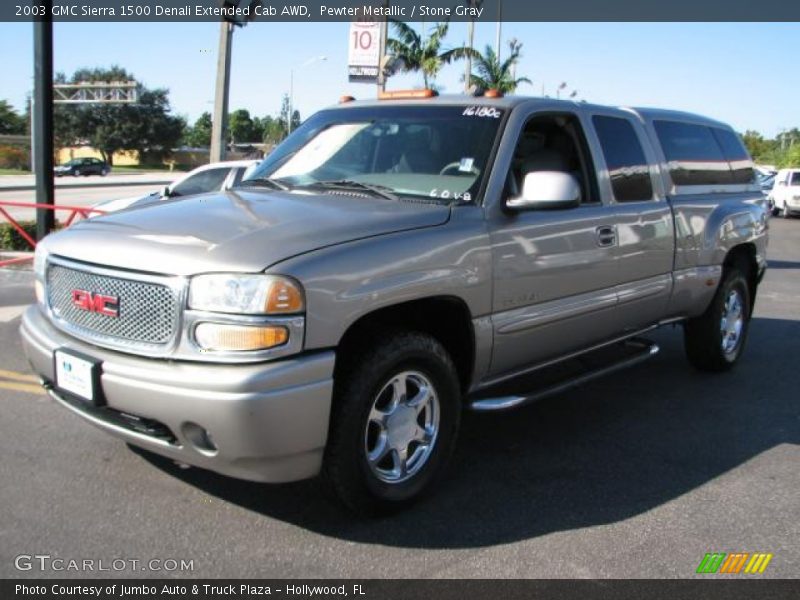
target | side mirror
[
  {"x": 166, "y": 193},
  {"x": 547, "y": 190}
]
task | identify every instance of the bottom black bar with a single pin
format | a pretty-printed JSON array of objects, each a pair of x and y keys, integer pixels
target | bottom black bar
[{"x": 399, "y": 589}]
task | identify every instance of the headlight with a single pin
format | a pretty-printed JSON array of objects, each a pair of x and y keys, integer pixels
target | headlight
[
  {"x": 39, "y": 270},
  {"x": 246, "y": 294}
]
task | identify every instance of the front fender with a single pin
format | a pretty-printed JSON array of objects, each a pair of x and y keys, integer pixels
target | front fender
[{"x": 346, "y": 282}]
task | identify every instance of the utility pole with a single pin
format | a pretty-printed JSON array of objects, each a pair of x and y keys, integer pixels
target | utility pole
[
  {"x": 499, "y": 28},
  {"x": 470, "y": 44},
  {"x": 42, "y": 115},
  {"x": 219, "y": 124}
]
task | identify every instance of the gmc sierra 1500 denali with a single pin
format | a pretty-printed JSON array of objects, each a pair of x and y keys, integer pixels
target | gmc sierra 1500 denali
[{"x": 389, "y": 264}]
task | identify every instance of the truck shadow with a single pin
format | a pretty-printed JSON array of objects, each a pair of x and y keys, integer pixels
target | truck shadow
[{"x": 600, "y": 454}]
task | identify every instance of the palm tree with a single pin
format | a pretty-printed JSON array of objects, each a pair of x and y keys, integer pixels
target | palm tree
[
  {"x": 417, "y": 53},
  {"x": 494, "y": 75}
]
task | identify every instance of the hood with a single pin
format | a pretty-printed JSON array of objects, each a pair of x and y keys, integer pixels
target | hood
[
  {"x": 240, "y": 231},
  {"x": 122, "y": 203}
]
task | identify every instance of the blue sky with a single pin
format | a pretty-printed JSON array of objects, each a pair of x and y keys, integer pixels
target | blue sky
[{"x": 742, "y": 73}]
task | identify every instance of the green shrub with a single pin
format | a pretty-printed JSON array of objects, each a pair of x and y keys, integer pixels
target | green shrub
[
  {"x": 12, "y": 157},
  {"x": 10, "y": 239}
]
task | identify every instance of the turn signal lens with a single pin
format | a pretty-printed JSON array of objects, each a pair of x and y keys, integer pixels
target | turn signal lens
[
  {"x": 284, "y": 297},
  {"x": 217, "y": 337}
]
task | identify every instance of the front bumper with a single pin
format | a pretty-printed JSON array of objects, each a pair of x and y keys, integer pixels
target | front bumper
[{"x": 268, "y": 421}]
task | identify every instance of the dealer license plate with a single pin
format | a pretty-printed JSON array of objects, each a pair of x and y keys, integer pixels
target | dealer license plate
[{"x": 75, "y": 375}]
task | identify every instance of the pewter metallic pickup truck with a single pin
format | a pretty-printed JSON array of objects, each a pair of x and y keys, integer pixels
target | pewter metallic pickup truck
[{"x": 391, "y": 264}]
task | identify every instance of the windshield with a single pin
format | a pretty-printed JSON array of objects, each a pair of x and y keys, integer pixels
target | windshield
[
  {"x": 795, "y": 179},
  {"x": 438, "y": 152}
]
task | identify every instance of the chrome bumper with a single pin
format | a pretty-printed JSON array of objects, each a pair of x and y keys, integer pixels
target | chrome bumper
[{"x": 268, "y": 421}]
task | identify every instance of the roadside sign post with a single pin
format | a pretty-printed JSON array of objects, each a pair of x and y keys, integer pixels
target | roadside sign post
[
  {"x": 381, "y": 54},
  {"x": 365, "y": 47}
]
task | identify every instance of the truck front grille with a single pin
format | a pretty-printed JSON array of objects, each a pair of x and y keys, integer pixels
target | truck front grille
[{"x": 147, "y": 310}]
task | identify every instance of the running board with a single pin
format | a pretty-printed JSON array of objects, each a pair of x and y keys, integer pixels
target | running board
[{"x": 644, "y": 350}]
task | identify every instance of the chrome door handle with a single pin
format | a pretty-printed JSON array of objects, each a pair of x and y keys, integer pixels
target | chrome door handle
[{"x": 606, "y": 236}]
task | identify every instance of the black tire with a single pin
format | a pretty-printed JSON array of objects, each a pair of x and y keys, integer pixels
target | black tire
[
  {"x": 703, "y": 335},
  {"x": 103, "y": 172},
  {"x": 358, "y": 387},
  {"x": 76, "y": 172}
]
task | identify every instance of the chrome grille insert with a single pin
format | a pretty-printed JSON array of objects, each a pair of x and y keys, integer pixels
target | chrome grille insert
[{"x": 149, "y": 308}]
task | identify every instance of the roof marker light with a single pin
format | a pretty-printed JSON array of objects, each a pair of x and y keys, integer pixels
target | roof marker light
[{"x": 407, "y": 94}]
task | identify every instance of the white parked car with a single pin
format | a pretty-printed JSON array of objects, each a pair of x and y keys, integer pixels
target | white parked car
[
  {"x": 213, "y": 177},
  {"x": 785, "y": 195}
]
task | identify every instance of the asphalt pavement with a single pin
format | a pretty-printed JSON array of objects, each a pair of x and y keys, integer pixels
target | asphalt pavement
[{"x": 636, "y": 475}]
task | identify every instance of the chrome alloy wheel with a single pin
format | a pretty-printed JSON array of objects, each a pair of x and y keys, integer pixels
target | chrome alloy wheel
[
  {"x": 732, "y": 322},
  {"x": 402, "y": 427}
]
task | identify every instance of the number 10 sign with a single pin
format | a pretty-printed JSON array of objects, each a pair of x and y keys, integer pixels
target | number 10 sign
[{"x": 363, "y": 57}]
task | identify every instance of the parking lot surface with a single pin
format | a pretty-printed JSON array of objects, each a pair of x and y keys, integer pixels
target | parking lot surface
[{"x": 639, "y": 474}]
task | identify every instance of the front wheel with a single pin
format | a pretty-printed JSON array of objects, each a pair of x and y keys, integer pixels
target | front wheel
[
  {"x": 76, "y": 172},
  {"x": 715, "y": 340},
  {"x": 394, "y": 424}
]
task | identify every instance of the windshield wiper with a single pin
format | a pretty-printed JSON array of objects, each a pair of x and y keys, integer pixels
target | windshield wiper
[
  {"x": 266, "y": 182},
  {"x": 349, "y": 184}
]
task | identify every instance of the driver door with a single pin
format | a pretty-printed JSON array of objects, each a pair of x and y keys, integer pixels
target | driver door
[{"x": 555, "y": 271}]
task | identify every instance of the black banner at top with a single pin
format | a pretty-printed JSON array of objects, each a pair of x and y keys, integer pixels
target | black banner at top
[{"x": 406, "y": 10}]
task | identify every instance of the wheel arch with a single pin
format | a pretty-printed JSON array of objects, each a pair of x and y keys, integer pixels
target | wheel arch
[
  {"x": 446, "y": 318},
  {"x": 744, "y": 258}
]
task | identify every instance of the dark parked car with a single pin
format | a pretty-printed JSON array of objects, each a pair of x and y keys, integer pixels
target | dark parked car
[{"x": 83, "y": 166}]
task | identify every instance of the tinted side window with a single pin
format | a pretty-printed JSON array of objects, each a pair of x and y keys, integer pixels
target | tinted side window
[
  {"x": 736, "y": 154},
  {"x": 627, "y": 166},
  {"x": 693, "y": 154}
]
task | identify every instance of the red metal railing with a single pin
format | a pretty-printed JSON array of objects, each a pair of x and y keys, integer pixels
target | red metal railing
[{"x": 74, "y": 212}]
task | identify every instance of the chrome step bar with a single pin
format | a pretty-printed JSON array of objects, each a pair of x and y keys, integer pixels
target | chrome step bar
[{"x": 645, "y": 350}]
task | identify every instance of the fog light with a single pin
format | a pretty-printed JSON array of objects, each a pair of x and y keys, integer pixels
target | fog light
[
  {"x": 200, "y": 438},
  {"x": 38, "y": 289},
  {"x": 219, "y": 337}
]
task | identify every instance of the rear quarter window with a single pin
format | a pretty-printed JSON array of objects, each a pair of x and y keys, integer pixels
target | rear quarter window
[
  {"x": 736, "y": 154},
  {"x": 693, "y": 154}
]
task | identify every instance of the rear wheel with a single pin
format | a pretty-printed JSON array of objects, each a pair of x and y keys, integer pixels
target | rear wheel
[
  {"x": 77, "y": 172},
  {"x": 394, "y": 425},
  {"x": 104, "y": 171},
  {"x": 715, "y": 340}
]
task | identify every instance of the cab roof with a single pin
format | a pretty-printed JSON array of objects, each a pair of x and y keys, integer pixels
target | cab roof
[{"x": 510, "y": 102}]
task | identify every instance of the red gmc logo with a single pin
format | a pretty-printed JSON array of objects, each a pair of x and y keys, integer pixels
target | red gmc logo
[{"x": 99, "y": 303}]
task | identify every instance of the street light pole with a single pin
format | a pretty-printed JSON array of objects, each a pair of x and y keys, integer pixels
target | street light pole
[
  {"x": 291, "y": 101},
  {"x": 289, "y": 117}
]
